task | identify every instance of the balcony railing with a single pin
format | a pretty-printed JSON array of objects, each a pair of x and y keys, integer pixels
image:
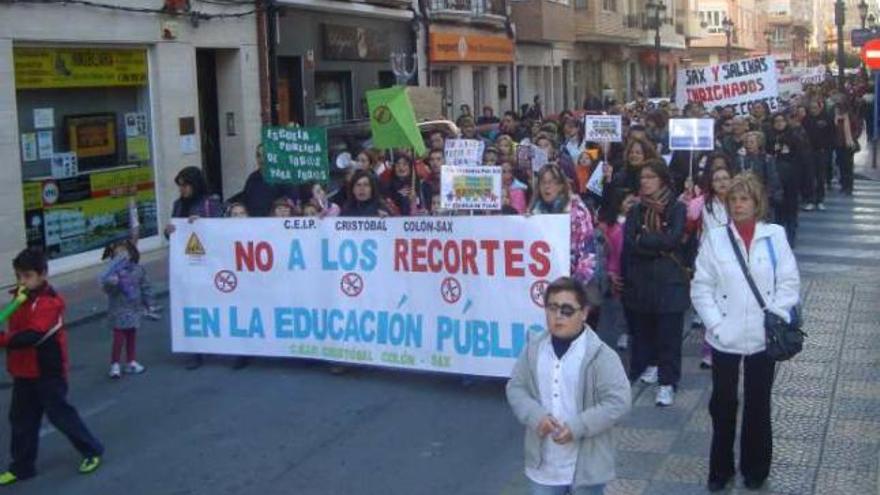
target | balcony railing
[
  {"x": 472, "y": 7},
  {"x": 645, "y": 21}
]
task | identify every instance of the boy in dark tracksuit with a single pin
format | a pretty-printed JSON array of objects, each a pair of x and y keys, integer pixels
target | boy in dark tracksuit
[{"x": 36, "y": 344}]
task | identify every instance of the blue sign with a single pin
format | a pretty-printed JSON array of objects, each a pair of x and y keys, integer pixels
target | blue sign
[{"x": 862, "y": 36}]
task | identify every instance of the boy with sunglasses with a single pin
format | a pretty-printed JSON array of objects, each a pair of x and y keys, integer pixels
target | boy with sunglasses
[{"x": 568, "y": 389}]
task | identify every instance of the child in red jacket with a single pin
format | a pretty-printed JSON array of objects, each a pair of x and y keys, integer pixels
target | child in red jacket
[{"x": 36, "y": 346}]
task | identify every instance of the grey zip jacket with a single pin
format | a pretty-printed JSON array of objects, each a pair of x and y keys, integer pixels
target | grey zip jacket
[{"x": 604, "y": 397}]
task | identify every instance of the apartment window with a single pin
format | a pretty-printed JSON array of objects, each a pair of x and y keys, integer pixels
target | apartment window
[
  {"x": 581, "y": 4},
  {"x": 609, "y": 5},
  {"x": 563, "y": 2},
  {"x": 713, "y": 20},
  {"x": 780, "y": 34}
]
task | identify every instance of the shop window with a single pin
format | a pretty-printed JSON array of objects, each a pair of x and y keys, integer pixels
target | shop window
[
  {"x": 332, "y": 97},
  {"x": 86, "y": 153}
]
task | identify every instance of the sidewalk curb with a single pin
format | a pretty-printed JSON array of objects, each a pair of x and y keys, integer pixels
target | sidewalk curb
[{"x": 97, "y": 315}]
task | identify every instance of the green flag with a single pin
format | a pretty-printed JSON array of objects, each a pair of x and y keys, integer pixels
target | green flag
[{"x": 393, "y": 121}]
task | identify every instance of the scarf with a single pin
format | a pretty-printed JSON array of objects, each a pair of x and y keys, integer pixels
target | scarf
[
  {"x": 557, "y": 206},
  {"x": 654, "y": 208}
]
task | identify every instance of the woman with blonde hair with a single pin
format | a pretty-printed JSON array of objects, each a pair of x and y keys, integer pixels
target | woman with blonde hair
[{"x": 734, "y": 320}]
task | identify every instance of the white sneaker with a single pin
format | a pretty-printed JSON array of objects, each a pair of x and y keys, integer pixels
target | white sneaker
[
  {"x": 650, "y": 375},
  {"x": 809, "y": 207},
  {"x": 820, "y": 207},
  {"x": 623, "y": 342},
  {"x": 665, "y": 395},
  {"x": 134, "y": 368},
  {"x": 115, "y": 372}
]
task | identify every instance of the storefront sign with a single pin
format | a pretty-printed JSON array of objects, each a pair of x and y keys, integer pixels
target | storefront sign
[
  {"x": 295, "y": 155},
  {"x": 455, "y": 295},
  {"x": 85, "y": 212},
  {"x": 354, "y": 43},
  {"x": 470, "y": 188},
  {"x": 453, "y": 47},
  {"x": 739, "y": 84},
  {"x": 42, "y": 68}
]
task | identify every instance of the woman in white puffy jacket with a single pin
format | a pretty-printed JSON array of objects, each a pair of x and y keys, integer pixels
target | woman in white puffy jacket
[{"x": 734, "y": 324}]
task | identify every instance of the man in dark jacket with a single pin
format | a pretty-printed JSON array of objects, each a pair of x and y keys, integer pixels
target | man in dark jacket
[
  {"x": 821, "y": 132},
  {"x": 258, "y": 195},
  {"x": 36, "y": 346}
]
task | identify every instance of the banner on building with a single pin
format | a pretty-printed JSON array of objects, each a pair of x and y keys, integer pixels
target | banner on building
[
  {"x": 691, "y": 134},
  {"x": 456, "y": 295},
  {"x": 463, "y": 152},
  {"x": 470, "y": 188},
  {"x": 295, "y": 155},
  {"x": 739, "y": 84},
  {"x": 603, "y": 129}
]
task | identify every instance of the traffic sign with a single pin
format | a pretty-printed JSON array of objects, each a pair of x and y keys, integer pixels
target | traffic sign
[
  {"x": 862, "y": 36},
  {"x": 871, "y": 54}
]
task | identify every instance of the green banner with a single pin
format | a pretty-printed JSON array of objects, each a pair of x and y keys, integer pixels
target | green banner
[
  {"x": 295, "y": 155},
  {"x": 393, "y": 121}
]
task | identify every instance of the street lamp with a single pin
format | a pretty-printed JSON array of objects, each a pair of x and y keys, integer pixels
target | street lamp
[
  {"x": 839, "y": 21},
  {"x": 768, "y": 37},
  {"x": 863, "y": 12},
  {"x": 728, "y": 27},
  {"x": 654, "y": 8}
]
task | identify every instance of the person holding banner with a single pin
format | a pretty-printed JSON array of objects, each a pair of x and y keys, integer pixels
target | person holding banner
[
  {"x": 656, "y": 281},
  {"x": 569, "y": 389},
  {"x": 401, "y": 186},
  {"x": 553, "y": 196},
  {"x": 363, "y": 196}
]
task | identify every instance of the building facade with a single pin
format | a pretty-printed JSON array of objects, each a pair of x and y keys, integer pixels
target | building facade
[
  {"x": 105, "y": 107},
  {"x": 330, "y": 53},
  {"x": 569, "y": 50},
  {"x": 470, "y": 54},
  {"x": 744, "y": 32}
]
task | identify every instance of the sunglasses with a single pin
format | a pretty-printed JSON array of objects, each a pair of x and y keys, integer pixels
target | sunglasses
[{"x": 564, "y": 310}]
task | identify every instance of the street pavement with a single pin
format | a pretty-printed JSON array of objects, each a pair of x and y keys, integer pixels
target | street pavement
[{"x": 291, "y": 427}]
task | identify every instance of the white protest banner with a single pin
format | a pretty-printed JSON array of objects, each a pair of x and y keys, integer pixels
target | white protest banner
[
  {"x": 789, "y": 85},
  {"x": 463, "y": 152},
  {"x": 595, "y": 184},
  {"x": 738, "y": 83},
  {"x": 456, "y": 295},
  {"x": 470, "y": 188},
  {"x": 691, "y": 134},
  {"x": 603, "y": 129},
  {"x": 813, "y": 75}
]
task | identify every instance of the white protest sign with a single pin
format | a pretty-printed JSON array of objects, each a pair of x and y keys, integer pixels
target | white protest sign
[
  {"x": 531, "y": 155},
  {"x": 603, "y": 129},
  {"x": 691, "y": 134},
  {"x": 789, "y": 85},
  {"x": 738, "y": 83},
  {"x": 470, "y": 188},
  {"x": 457, "y": 295},
  {"x": 463, "y": 152},
  {"x": 813, "y": 75},
  {"x": 595, "y": 184}
]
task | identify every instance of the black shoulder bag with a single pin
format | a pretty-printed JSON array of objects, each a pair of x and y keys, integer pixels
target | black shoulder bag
[{"x": 784, "y": 340}]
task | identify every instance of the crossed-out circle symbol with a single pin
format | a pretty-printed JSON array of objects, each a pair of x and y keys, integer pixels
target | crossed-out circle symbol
[
  {"x": 225, "y": 281},
  {"x": 351, "y": 284},
  {"x": 450, "y": 290},
  {"x": 537, "y": 292},
  {"x": 382, "y": 115}
]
